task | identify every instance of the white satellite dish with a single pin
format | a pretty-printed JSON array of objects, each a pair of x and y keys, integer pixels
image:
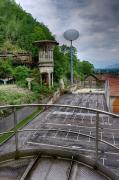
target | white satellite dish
[{"x": 71, "y": 34}]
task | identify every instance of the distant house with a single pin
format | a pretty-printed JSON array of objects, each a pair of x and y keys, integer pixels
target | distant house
[{"x": 91, "y": 81}]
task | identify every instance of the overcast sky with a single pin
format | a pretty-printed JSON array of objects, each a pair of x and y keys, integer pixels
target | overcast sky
[{"x": 96, "y": 20}]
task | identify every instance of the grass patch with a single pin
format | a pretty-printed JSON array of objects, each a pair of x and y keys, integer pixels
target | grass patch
[
  {"x": 11, "y": 94},
  {"x": 21, "y": 124}
]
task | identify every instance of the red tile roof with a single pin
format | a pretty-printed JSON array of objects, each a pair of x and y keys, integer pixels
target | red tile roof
[{"x": 104, "y": 77}]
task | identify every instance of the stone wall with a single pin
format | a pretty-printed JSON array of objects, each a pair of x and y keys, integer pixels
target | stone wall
[
  {"x": 73, "y": 88},
  {"x": 55, "y": 96}
]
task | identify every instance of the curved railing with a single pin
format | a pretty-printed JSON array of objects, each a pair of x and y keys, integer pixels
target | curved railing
[{"x": 97, "y": 127}]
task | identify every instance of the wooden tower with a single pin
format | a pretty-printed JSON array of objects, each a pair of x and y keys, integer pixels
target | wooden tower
[{"x": 46, "y": 62}]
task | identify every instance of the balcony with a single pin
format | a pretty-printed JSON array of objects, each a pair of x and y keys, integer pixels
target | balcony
[{"x": 55, "y": 148}]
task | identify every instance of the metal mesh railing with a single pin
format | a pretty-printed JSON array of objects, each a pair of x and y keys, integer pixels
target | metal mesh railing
[{"x": 100, "y": 143}]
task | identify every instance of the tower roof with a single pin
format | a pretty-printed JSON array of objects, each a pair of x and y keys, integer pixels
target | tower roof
[{"x": 45, "y": 42}]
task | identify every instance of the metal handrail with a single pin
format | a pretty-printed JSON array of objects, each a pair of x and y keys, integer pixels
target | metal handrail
[
  {"x": 65, "y": 106},
  {"x": 60, "y": 105},
  {"x": 82, "y": 134}
]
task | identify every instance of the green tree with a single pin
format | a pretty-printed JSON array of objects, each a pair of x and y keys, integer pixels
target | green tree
[
  {"x": 35, "y": 73},
  {"x": 58, "y": 64},
  {"x": 18, "y": 31},
  {"x": 20, "y": 28},
  {"x": 7, "y": 46},
  {"x": 21, "y": 73},
  {"x": 6, "y": 68},
  {"x": 86, "y": 67}
]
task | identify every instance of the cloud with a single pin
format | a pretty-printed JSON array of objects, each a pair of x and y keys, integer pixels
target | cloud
[{"x": 96, "y": 20}]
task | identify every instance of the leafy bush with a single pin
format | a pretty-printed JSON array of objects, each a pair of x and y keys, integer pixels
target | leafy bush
[
  {"x": 35, "y": 73},
  {"x": 45, "y": 90},
  {"x": 22, "y": 83},
  {"x": 21, "y": 73},
  {"x": 42, "y": 90},
  {"x": 36, "y": 87},
  {"x": 6, "y": 68}
]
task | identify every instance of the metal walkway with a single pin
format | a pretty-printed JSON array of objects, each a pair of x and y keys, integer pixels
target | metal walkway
[
  {"x": 48, "y": 168},
  {"x": 64, "y": 142},
  {"x": 54, "y": 169}
]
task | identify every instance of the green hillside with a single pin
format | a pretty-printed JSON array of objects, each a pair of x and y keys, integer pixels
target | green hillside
[{"x": 18, "y": 29}]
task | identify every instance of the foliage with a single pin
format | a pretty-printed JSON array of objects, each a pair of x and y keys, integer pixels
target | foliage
[
  {"x": 22, "y": 83},
  {"x": 42, "y": 90},
  {"x": 86, "y": 68},
  {"x": 36, "y": 87},
  {"x": 59, "y": 64},
  {"x": 18, "y": 29},
  {"x": 35, "y": 73},
  {"x": 8, "y": 96},
  {"x": 62, "y": 62},
  {"x": 82, "y": 76},
  {"x": 6, "y": 67},
  {"x": 21, "y": 73},
  {"x": 7, "y": 46}
]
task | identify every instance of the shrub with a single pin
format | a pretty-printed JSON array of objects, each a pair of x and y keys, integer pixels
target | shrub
[
  {"x": 22, "y": 83},
  {"x": 36, "y": 87},
  {"x": 6, "y": 68},
  {"x": 21, "y": 73}
]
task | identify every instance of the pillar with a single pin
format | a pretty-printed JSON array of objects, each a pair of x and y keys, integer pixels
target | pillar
[
  {"x": 50, "y": 54},
  {"x": 5, "y": 82},
  {"x": 41, "y": 80},
  {"x": 52, "y": 78},
  {"x": 29, "y": 85},
  {"x": 49, "y": 79}
]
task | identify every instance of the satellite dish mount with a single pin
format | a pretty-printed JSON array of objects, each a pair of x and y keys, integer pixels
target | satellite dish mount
[{"x": 71, "y": 35}]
